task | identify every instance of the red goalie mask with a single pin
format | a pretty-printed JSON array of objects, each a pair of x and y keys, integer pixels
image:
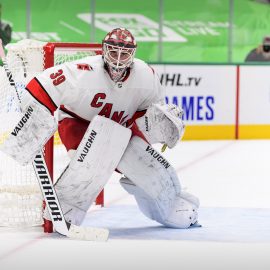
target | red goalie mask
[{"x": 119, "y": 48}]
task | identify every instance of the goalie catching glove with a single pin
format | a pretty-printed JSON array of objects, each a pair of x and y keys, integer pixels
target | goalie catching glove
[{"x": 162, "y": 123}]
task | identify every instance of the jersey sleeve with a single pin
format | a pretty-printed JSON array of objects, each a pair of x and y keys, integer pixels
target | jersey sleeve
[
  {"x": 53, "y": 86},
  {"x": 156, "y": 93}
]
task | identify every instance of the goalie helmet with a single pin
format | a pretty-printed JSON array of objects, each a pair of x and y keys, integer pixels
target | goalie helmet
[{"x": 119, "y": 48}]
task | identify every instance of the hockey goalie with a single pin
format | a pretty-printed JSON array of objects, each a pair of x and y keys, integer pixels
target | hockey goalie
[{"x": 110, "y": 113}]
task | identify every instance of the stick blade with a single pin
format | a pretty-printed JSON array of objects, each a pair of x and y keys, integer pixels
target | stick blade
[{"x": 88, "y": 233}]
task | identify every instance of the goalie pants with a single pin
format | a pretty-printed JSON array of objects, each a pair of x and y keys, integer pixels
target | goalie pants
[{"x": 71, "y": 131}]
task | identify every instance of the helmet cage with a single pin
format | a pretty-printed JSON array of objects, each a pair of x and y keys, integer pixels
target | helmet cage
[
  {"x": 118, "y": 59},
  {"x": 119, "y": 48}
]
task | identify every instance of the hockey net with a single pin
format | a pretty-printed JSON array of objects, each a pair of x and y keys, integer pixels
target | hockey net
[{"x": 21, "y": 203}]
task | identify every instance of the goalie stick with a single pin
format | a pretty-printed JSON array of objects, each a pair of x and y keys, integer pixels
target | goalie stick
[{"x": 48, "y": 191}]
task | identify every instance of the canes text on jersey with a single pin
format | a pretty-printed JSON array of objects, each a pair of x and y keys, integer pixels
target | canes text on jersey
[{"x": 107, "y": 108}]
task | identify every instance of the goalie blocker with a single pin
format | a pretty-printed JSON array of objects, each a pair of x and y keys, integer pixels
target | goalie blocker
[{"x": 33, "y": 130}]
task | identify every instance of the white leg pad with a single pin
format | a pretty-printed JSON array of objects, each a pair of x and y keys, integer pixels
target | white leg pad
[
  {"x": 184, "y": 212},
  {"x": 182, "y": 215},
  {"x": 156, "y": 187},
  {"x": 147, "y": 205},
  {"x": 91, "y": 167}
]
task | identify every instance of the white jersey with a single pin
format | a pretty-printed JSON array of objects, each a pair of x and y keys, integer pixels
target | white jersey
[{"x": 83, "y": 89}]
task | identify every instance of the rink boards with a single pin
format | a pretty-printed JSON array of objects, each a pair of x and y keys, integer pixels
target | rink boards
[{"x": 220, "y": 101}]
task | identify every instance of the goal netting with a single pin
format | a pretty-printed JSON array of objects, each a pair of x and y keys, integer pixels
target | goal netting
[{"x": 21, "y": 202}]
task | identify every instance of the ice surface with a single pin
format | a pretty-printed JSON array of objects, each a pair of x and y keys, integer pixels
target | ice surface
[{"x": 232, "y": 180}]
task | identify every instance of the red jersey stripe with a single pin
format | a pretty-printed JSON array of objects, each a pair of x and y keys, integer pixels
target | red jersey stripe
[
  {"x": 72, "y": 114},
  {"x": 136, "y": 115},
  {"x": 35, "y": 88}
]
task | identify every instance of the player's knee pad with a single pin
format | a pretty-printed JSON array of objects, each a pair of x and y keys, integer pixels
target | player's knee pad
[{"x": 182, "y": 214}]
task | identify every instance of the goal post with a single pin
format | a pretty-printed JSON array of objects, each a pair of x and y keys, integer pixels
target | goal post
[{"x": 21, "y": 203}]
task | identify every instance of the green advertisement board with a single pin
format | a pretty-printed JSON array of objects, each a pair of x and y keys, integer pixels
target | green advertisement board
[{"x": 193, "y": 31}]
